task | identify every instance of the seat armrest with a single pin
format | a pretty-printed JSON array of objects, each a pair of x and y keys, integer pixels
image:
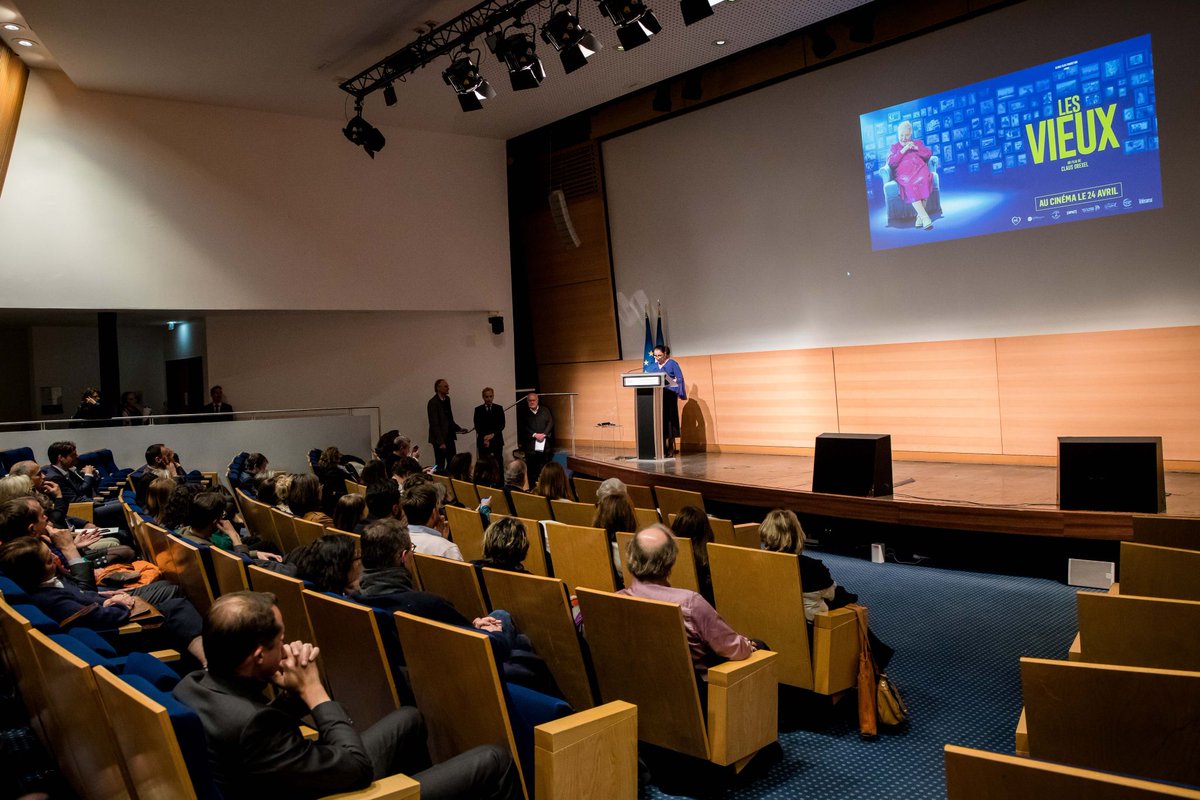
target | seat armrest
[
  {"x": 589, "y": 754},
  {"x": 393, "y": 787},
  {"x": 743, "y": 707},
  {"x": 1075, "y": 652},
  {"x": 1022, "y": 737},
  {"x": 835, "y": 651},
  {"x": 837, "y": 618},
  {"x": 165, "y": 655}
]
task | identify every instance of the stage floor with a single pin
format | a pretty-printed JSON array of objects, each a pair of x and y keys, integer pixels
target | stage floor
[{"x": 983, "y": 497}]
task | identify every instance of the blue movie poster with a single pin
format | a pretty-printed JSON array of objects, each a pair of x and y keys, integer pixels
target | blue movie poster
[{"x": 1069, "y": 140}]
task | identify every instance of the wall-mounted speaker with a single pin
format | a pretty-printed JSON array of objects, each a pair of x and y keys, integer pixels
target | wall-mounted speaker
[
  {"x": 858, "y": 464},
  {"x": 1111, "y": 473},
  {"x": 497, "y": 323}
]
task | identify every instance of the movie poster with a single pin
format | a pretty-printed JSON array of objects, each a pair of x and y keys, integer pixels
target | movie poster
[{"x": 1073, "y": 139}]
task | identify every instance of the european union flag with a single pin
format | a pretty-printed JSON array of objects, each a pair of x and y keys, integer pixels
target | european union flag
[
  {"x": 659, "y": 341},
  {"x": 648, "y": 350}
]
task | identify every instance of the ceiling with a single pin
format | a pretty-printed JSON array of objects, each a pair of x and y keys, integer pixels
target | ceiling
[{"x": 289, "y": 57}]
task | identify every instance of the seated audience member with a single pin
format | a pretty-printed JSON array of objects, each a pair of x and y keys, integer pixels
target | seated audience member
[
  {"x": 255, "y": 746},
  {"x": 178, "y": 507},
  {"x": 208, "y": 523},
  {"x": 552, "y": 482},
  {"x": 304, "y": 499},
  {"x": 264, "y": 491},
  {"x": 487, "y": 473},
  {"x": 78, "y": 484},
  {"x": 611, "y": 486},
  {"x": 386, "y": 444},
  {"x": 383, "y": 502},
  {"x": 373, "y": 471},
  {"x": 28, "y": 561},
  {"x": 48, "y": 492},
  {"x": 255, "y": 467},
  {"x": 349, "y": 512},
  {"x": 90, "y": 409},
  {"x": 692, "y": 523},
  {"x": 404, "y": 467},
  {"x": 332, "y": 476},
  {"x": 651, "y": 556},
  {"x": 425, "y": 523},
  {"x": 283, "y": 484},
  {"x": 615, "y": 515},
  {"x": 780, "y": 532},
  {"x": 87, "y": 537},
  {"x": 393, "y": 447},
  {"x": 133, "y": 410},
  {"x": 516, "y": 476},
  {"x": 159, "y": 459},
  {"x": 505, "y": 545},
  {"x": 459, "y": 467},
  {"x": 158, "y": 494}
]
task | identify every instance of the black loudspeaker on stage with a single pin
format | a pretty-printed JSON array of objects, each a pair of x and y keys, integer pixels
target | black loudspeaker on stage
[
  {"x": 858, "y": 464},
  {"x": 1111, "y": 473}
]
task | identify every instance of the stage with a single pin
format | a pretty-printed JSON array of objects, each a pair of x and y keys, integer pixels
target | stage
[{"x": 957, "y": 496}]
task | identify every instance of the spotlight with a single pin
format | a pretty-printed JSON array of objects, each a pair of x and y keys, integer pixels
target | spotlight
[
  {"x": 389, "y": 94},
  {"x": 696, "y": 10},
  {"x": 693, "y": 89},
  {"x": 662, "y": 98},
  {"x": 823, "y": 44},
  {"x": 518, "y": 53},
  {"x": 574, "y": 43},
  {"x": 363, "y": 133},
  {"x": 463, "y": 76},
  {"x": 635, "y": 23}
]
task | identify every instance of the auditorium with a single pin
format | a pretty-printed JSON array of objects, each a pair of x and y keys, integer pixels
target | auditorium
[{"x": 919, "y": 283}]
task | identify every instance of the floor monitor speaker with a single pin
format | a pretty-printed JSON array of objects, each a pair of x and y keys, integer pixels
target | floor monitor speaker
[
  {"x": 858, "y": 464},
  {"x": 1111, "y": 473}
]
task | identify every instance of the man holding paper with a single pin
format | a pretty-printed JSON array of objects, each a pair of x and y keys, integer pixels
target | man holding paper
[{"x": 535, "y": 434}]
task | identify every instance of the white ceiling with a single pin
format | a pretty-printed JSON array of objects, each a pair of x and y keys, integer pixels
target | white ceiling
[{"x": 288, "y": 57}]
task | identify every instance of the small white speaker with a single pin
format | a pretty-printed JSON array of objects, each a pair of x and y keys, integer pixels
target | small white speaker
[
  {"x": 1092, "y": 574},
  {"x": 877, "y": 553}
]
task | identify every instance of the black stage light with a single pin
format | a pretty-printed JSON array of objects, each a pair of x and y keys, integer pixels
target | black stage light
[
  {"x": 862, "y": 26},
  {"x": 693, "y": 89},
  {"x": 363, "y": 133},
  {"x": 525, "y": 69},
  {"x": 635, "y": 23},
  {"x": 389, "y": 94},
  {"x": 463, "y": 77},
  {"x": 662, "y": 98},
  {"x": 695, "y": 10},
  {"x": 823, "y": 44},
  {"x": 575, "y": 44}
]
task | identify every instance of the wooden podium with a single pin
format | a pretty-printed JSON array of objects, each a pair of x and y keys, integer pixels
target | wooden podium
[{"x": 648, "y": 412}]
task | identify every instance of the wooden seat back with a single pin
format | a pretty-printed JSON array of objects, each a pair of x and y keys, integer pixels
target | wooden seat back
[
  {"x": 531, "y": 506},
  {"x": 351, "y": 535},
  {"x": 670, "y": 501},
  {"x": 285, "y": 531},
  {"x": 289, "y": 596},
  {"x": 541, "y": 610},
  {"x": 1139, "y": 631},
  {"x": 142, "y": 731},
  {"x": 683, "y": 574},
  {"x": 354, "y": 487},
  {"x": 84, "y": 510},
  {"x": 444, "y": 480},
  {"x": 977, "y": 775},
  {"x": 582, "y": 556},
  {"x": 190, "y": 573},
  {"x": 1180, "y": 532},
  {"x": 585, "y": 488},
  {"x": 355, "y": 663},
  {"x": 96, "y": 769},
  {"x": 306, "y": 531},
  {"x": 465, "y": 493},
  {"x": 569, "y": 512},
  {"x": 230, "y": 571},
  {"x": 466, "y": 528},
  {"x": 258, "y": 520},
  {"x": 641, "y": 496},
  {"x": 1152, "y": 571},
  {"x": 159, "y": 549},
  {"x": 24, "y": 669},
  {"x": 760, "y": 595},
  {"x": 725, "y": 532},
  {"x": 500, "y": 503},
  {"x": 1130, "y": 720},
  {"x": 645, "y": 517},
  {"x": 455, "y": 580},
  {"x": 457, "y": 688}
]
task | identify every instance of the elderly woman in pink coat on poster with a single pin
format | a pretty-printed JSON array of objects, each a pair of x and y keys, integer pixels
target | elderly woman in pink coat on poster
[{"x": 909, "y": 161}]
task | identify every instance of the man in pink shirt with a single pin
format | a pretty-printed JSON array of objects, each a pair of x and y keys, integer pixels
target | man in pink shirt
[{"x": 651, "y": 556}]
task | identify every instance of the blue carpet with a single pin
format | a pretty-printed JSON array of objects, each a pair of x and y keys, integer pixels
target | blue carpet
[{"x": 958, "y": 637}]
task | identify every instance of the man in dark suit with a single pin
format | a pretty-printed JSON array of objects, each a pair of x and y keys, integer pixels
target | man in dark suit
[
  {"x": 489, "y": 427},
  {"x": 218, "y": 405},
  {"x": 255, "y": 747},
  {"x": 535, "y": 434},
  {"x": 78, "y": 485},
  {"x": 443, "y": 430}
]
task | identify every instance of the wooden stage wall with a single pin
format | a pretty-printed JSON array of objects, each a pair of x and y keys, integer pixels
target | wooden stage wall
[{"x": 1000, "y": 400}]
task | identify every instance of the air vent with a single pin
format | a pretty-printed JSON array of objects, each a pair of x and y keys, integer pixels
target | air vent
[{"x": 576, "y": 170}]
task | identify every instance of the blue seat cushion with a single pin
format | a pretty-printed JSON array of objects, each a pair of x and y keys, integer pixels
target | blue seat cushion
[{"x": 189, "y": 731}]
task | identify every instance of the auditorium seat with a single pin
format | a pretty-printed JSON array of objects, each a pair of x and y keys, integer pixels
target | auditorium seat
[
  {"x": 531, "y": 506},
  {"x": 585, "y": 488},
  {"x": 670, "y": 501},
  {"x": 190, "y": 573},
  {"x": 306, "y": 531},
  {"x": 353, "y": 487},
  {"x": 571, "y": 513},
  {"x": 455, "y": 580},
  {"x": 289, "y": 596},
  {"x": 901, "y": 214},
  {"x": 1152, "y": 571},
  {"x": 978, "y": 775},
  {"x": 640, "y": 653},
  {"x": 8, "y": 458},
  {"x": 582, "y": 556},
  {"x": 541, "y": 610},
  {"x": 466, "y": 529},
  {"x": 743, "y": 535},
  {"x": 230, "y": 571},
  {"x": 1138, "y": 631},
  {"x": 285, "y": 530},
  {"x": 465, "y": 493},
  {"x": 683, "y": 575},
  {"x": 641, "y": 496},
  {"x": 758, "y": 592}
]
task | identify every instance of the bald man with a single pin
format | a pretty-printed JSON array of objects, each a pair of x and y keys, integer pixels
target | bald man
[{"x": 650, "y": 558}]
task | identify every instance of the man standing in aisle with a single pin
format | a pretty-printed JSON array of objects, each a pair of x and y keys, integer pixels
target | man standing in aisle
[
  {"x": 489, "y": 427},
  {"x": 442, "y": 428},
  {"x": 535, "y": 431}
]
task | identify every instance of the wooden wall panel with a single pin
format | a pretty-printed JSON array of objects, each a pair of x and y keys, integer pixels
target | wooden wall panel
[
  {"x": 930, "y": 396},
  {"x": 782, "y": 398},
  {"x": 596, "y": 402},
  {"x": 698, "y": 415},
  {"x": 552, "y": 264},
  {"x": 574, "y": 323},
  {"x": 1114, "y": 383}
]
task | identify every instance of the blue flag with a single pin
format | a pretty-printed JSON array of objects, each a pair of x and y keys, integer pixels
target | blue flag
[
  {"x": 648, "y": 350},
  {"x": 659, "y": 341}
]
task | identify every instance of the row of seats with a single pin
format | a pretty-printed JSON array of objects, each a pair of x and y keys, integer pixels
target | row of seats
[{"x": 1121, "y": 717}]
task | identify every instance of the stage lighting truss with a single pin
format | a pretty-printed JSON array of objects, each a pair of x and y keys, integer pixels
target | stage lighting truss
[
  {"x": 519, "y": 54},
  {"x": 463, "y": 77},
  {"x": 635, "y": 22},
  {"x": 575, "y": 44}
]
